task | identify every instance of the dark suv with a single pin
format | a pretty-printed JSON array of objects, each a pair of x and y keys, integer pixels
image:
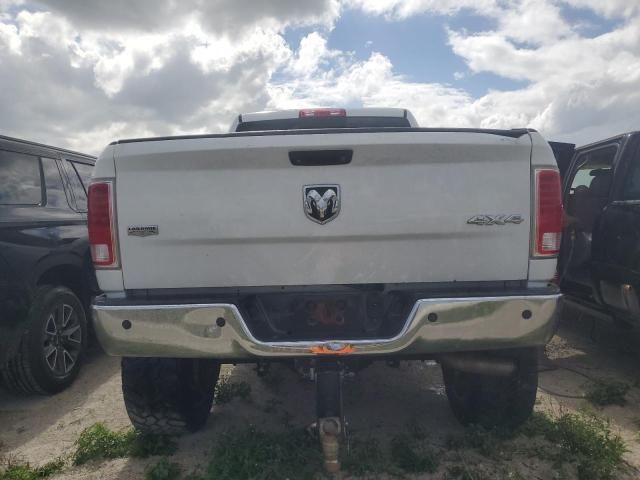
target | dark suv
[
  {"x": 600, "y": 256},
  {"x": 46, "y": 278}
]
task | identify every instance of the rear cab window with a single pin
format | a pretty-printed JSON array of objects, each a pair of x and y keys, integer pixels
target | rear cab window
[
  {"x": 322, "y": 122},
  {"x": 20, "y": 179}
]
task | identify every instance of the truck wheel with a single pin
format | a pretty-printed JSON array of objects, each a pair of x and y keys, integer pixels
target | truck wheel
[
  {"x": 168, "y": 396},
  {"x": 50, "y": 352},
  {"x": 494, "y": 401}
]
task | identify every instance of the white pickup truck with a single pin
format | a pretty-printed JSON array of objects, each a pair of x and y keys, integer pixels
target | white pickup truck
[{"x": 327, "y": 239}]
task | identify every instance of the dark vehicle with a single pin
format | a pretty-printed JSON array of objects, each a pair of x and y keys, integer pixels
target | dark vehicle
[
  {"x": 600, "y": 256},
  {"x": 46, "y": 277},
  {"x": 563, "y": 153}
]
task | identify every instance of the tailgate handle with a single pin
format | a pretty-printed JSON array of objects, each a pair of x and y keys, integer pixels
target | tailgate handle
[{"x": 317, "y": 158}]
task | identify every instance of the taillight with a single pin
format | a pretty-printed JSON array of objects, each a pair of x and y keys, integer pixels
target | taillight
[
  {"x": 322, "y": 112},
  {"x": 101, "y": 224},
  {"x": 548, "y": 213}
]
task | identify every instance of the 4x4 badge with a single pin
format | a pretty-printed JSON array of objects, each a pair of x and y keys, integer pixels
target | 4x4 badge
[
  {"x": 500, "y": 219},
  {"x": 321, "y": 203}
]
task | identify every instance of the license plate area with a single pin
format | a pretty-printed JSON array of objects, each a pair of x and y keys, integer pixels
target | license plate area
[{"x": 326, "y": 316}]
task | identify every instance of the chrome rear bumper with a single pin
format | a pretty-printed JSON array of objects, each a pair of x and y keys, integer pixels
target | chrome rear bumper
[{"x": 434, "y": 326}]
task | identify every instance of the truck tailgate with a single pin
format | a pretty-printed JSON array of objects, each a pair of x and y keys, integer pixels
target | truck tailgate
[{"x": 229, "y": 210}]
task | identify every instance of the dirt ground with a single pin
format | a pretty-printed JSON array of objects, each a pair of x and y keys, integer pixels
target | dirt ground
[{"x": 380, "y": 402}]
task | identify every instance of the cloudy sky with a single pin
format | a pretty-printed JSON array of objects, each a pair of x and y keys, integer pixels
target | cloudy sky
[{"x": 82, "y": 73}]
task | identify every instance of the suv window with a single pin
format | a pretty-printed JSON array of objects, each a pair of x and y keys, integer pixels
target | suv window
[
  {"x": 631, "y": 189},
  {"x": 77, "y": 185},
  {"x": 56, "y": 196},
  {"x": 20, "y": 179},
  {"x": 590, "y": 164},
  {"x": 590, "y": 186},
  {"x": 84, "y": 171}
]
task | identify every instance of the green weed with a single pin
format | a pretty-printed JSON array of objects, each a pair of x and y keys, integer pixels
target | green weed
[
  {"x": 365, "y": 458},
  {"x": 271, "y": 405},
  {"x": 24, "y": 471},
  {"x": 466, "y": 472},
  {"x": 608, "y": 393},
  {"x": 413, "y": 455},
  {"x": 257, "y": 455},
  {"x": 163, "y": 470},
  {"x": 273, "y": 380},
  {"x": 145, "y": 445},
  {"x": 227, "y": 391},
  {"x": 490, "y": 443},
  {"x": 636, "y": 422},
  {"x": 585, "y": 439},
  {"x": 98, "y": 442}
]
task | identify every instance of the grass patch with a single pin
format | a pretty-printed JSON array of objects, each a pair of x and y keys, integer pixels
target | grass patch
[
  {"x": 227, "y": 391},
  {"x": 416, "y": 430},
  {"x": 490, "y": 443},
  {"x": 608, "y": 393},
  {"x": 582, "y": 439},
  {"x": 293, "y": 454},
  {"x": 257, "y": 455},
  {"x": 271, "y": 405},
  {"x": 585, "y": 439},
  {"x": 588, "y": 437},
  {"x": 636, "y": 422},
  {"x": 24, "y": 471},
  {"x": 163, "y": 470},
  {"x": 273, "y": 380},
  {"x": 406, "y": 453},
  {"x": 366, "y": 458},
  {"x": 145, "y": 445},
  {"x": 98, "y": 442},
  {"x": 465, "y": 472},
  {"x": 412, "y": 455},
  {"x": 539, "y": 424}
]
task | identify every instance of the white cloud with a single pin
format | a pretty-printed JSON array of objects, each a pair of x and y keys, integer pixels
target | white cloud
[
  {"x": 231, "y": 17},
  {"x": 80, "y": 88},
  {"x": 533, "y": 21},
  {"x": 577, "y": 85},
  {"x": 373, "y": 83},
  {"x": 311, "y": 53},
  {"x": 609, "y": 8},
  {"x": 84, "y": 73},
  {"x": 9, "y": 38},
  {"x": 400, "y": 9},
  {"x": 578, "y": 88}
]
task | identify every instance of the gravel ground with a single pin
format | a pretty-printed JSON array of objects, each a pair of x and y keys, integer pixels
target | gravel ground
[{"x": 380, "y": 402}]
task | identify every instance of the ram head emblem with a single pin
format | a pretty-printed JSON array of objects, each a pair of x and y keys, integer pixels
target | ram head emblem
[{"x": 321, "y": 202}]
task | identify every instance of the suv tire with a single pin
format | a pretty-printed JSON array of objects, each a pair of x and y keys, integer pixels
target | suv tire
[
  {"x": 169, "y": 396},
  {"x": 494, "y": 401},
  {"x": 51, "y": 349}
]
